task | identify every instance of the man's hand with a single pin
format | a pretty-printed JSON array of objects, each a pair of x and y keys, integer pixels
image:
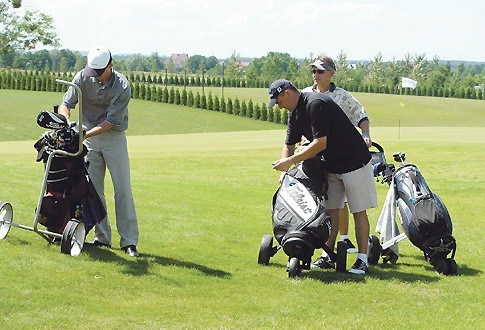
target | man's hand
[
  {"x": 282, "y": 164},
  {"x": 367, "y": 139}
]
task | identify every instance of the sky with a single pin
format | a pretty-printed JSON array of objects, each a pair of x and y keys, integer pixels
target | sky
[{"x": 361, "y": 29}]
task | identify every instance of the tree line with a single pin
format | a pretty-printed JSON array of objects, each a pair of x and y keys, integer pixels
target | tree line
[
  {"x": 435, "y": 77},
  {"x": 46, "y": 82}
]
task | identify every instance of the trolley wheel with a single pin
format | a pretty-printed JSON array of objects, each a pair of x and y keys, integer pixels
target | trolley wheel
[
  {"x": 452, "y": 266},
  {"x": 73, "y": 236},
  {"x": 294, "y": 267},
  {"x": 390, "y": 256},
  {"x": 6, "y": 215},
  {"x": 265, "y": 250},
  {"x": 440, "y": 266},
  {"x": 341, "y": 257},
  {"x": 374, "y": 250}
]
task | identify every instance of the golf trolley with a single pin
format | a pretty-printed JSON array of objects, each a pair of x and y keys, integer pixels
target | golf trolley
[
  {"x": 68, "y": 205},
  {"x": 423, "y": 216},
  {"x": 300, "y": 223}
]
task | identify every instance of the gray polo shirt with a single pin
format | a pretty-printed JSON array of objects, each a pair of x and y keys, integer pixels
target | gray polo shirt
[{"x": 101, "y": 102}]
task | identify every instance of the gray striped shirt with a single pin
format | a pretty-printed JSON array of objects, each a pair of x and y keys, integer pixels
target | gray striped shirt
[{"x": 101, "y": 102}]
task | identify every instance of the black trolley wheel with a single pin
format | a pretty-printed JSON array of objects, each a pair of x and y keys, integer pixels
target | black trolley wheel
[
  {"x": 73, "y": 237},
  {"x": 452, "y": 266},
  {"x": 374, "y": 250},
  {"x": 341, "y": 257},
  {"x": 389, "y": 256},
  {"x": 294, "y": 267},
  {"x": 440, "y": 266},
  {"x": 265, "y": 250},
  {"x": 6, "y": 215}
]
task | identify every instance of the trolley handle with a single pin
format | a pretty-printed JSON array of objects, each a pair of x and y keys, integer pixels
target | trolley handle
[{"x": 80, "y": 121}]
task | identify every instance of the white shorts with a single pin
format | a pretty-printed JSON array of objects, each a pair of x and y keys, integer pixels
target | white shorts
[{"x": 358, "y": 186}]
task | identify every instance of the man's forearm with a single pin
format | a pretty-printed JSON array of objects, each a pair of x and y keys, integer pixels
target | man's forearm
[
  {"x": 100, "y": 129},
  {"x": 65, "y": 111},
  {"x": 316, "y": 146}
]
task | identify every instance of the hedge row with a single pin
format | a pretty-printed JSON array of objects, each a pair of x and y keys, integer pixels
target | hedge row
[
  {"x": 46, "y": 82},
  {"x": 198, "y": 81},
  {"x": 33, "y": 81},
  {"x": 209, "y": 102},
  {"x": 459, "y": 93}
]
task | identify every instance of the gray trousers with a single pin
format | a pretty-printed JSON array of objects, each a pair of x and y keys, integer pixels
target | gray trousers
[{"x": 109, "y": 150}]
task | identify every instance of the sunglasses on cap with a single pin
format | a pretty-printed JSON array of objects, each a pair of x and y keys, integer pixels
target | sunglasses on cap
[{"x": 318, "y": 71}]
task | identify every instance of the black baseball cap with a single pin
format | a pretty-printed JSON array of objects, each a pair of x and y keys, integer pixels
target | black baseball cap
[{"x": 276, "y": 88}]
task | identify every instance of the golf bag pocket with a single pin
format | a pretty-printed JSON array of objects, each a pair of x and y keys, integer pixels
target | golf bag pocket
[
  {"x": 57, "y": 179},
  {"x": 53, "y": 211},
  {"x": 320, "y": 229},
  {"x": 426, "y": 211}
]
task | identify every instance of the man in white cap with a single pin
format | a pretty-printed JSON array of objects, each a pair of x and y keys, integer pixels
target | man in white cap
[
  {"x": 106, "y": 94},
  {"x": 335, "y": 140}
]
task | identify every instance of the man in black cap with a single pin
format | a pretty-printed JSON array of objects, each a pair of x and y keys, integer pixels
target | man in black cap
[{"x": 335, "y": 140}]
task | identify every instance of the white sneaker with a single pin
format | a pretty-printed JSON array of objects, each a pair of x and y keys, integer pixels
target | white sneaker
[{"x": 359, "y": 267}]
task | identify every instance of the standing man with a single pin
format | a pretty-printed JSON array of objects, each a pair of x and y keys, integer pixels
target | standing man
[
  {"x": 343, "y": 151},
  {"x": 106, "y": 94},
  {"x": 323, "y": 69}
]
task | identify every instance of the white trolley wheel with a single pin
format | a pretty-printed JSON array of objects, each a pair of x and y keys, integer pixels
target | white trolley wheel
[
  {"x": 73, "y": 237},
  {"x": 6, "y": 215}
]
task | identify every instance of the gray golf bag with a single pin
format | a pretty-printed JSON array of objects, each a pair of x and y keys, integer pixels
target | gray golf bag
[{"x": 424, "y": 217}]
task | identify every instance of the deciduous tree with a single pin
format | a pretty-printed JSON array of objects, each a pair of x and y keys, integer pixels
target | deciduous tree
[{"x": 24, "y": 32}]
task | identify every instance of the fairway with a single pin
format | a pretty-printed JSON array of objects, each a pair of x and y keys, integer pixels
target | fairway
[{"x": 204, "y": 201}]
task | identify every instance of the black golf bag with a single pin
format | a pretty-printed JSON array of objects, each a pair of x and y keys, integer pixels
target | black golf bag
[
  {"x": 424, "y": 217},
  {"x": 69, "y": 193}
]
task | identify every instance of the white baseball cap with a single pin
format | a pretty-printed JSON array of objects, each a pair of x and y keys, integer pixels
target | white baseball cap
[
  {"x": 98, "y": 60},
  {"x": 323, "y": 66}
]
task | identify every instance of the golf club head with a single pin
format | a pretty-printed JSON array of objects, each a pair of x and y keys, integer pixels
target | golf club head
[{"x": 51, "y": 120}]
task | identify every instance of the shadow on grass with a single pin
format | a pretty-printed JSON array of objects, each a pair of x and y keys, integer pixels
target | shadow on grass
[
  {"x": 140, "y": 266},
  {"x": 384, "y": 272},
  {"x": 18, "y": 241},
  {"x": 463, "y": 269}
]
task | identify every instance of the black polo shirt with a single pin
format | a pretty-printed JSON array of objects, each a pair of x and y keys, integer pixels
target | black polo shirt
[{"x": 316, "y": 116}]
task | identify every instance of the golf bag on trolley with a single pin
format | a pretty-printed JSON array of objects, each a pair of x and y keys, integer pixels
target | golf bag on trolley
[
  {"x": 69, "y": 194},
  {"x": 424, "y": 217},
  {"x": 300, "y": 222}
]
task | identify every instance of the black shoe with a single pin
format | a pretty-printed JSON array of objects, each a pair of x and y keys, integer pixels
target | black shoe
[
  {"x": 359, "y": 267},
  {"x": 323, "y": 262},
  {"x": 131, "y": 251},
  {"x": 350, "y": 247},
  {"x": 97, "y": 243}
]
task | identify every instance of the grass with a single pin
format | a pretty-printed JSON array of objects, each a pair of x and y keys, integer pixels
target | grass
[
  {"x": 146, "y": 118},
  {"x": 203, "y": 202},
  {"x": 387, "y": 110},
  {"x": 152, "y": 118}
]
